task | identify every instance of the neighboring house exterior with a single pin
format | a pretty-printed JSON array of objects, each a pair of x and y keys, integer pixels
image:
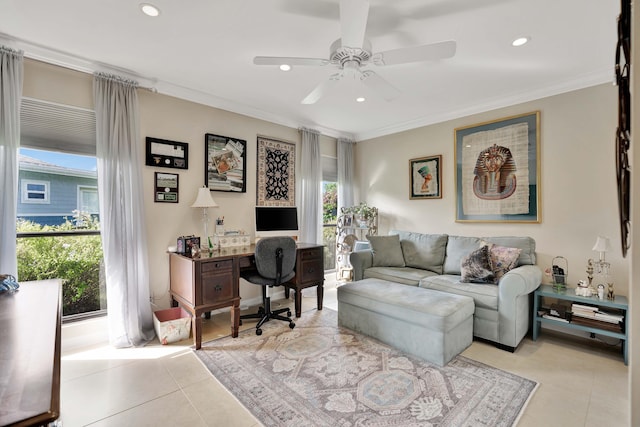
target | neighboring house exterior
[{"x": 47, "y": 193}]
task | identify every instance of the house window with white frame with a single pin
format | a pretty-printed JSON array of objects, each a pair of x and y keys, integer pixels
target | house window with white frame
[
  {"x": 35, "y": 191},
  {"x": 88, "y": 200}
]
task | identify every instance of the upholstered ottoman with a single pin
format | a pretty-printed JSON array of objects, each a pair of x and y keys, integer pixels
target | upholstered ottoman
[{"x": 433, "y": 325}]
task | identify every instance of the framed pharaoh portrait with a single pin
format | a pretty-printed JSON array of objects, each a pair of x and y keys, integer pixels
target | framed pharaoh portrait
[
  {"x": 498, "y": 170},
  {"x": 425, "y": 178}
]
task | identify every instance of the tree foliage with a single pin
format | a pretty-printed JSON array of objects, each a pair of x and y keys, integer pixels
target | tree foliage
[{"x": 75, "y": 259}]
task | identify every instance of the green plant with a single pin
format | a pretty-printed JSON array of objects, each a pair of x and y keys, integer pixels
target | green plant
[
  {"x": 362, "y": 210},
  {"x": 75, "y": 259}
]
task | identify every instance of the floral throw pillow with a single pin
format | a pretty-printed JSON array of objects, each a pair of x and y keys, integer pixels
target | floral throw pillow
[
  {"x": 477, "y": 268},
  {"x": 503, "y": 259}
]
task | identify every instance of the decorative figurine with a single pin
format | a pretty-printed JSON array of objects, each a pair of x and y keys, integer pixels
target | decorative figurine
[
  {"x": 590, "y": 270},
  {"x": 600, "y": 291},
  {"x": 610, "y": 295}
]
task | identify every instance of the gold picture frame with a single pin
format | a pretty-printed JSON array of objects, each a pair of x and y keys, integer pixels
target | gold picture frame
[{"x": 498, "y": 170}]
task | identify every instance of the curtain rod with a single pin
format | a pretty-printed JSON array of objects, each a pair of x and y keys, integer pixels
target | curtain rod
[{"x": 72, "y": 62}]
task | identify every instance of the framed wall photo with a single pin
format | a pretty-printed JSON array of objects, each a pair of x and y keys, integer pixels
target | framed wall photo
[
  {"x": 166, "y": 187},
  {"x": 425, "y": 178},
  {"x": 167, "y": 154},
  {"x": 276, "y": 181},
  {"x": 225, "y": 167},
  {"x": 498, "y": 170}
]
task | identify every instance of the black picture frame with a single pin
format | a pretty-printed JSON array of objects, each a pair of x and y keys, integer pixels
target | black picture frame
[
  {"x": 167, "y": 154},
  {"x": 166, "y": 189},
  {"x": 225, "y": 163}
]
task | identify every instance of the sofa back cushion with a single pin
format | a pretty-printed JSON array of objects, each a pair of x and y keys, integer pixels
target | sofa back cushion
[
  {"x": 386, "y": 251},
  {"x": 458, "y": 247},
  {"x": 424, "y": 251},
  {"x": 526, "y": 244}
]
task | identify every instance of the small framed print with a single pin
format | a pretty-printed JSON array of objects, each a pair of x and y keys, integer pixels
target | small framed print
[
  {"x": 167, "y": 154},
  {"x": 166, "y": 187},
  {"x": 425, "y": 175}
]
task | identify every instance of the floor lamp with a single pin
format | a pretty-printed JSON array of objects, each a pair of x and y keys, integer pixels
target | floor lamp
[{"x": 205, "y": 201}]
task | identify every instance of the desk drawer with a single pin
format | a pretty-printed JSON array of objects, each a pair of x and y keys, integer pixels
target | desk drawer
[
  {"x": 217, "y": 287},
  {"x": 217, "y": 266},
  {"x": 311, "y": 266}
]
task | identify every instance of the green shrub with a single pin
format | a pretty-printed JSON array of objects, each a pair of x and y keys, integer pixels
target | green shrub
[{"x": 75, "y": 259}]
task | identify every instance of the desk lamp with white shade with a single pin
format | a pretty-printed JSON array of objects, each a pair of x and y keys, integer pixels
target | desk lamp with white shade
[{"x": 205, "y": 201}]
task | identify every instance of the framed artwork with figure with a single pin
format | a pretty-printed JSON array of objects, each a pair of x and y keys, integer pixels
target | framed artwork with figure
[
  {"x": 498, "y": 170},
  {"x": 425, "y": 178}
]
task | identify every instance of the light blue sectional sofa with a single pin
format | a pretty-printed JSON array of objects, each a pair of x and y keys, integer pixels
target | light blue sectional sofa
[{"x": 502, "y": 311}]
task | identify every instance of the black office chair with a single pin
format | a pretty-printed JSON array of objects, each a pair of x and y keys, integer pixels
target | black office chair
[{"x": 275, "y": 263}]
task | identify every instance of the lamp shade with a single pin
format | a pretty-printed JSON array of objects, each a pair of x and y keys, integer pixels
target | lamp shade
[
  {"x": 602, "y": 244},
  {"x": 204, "y": 199}
]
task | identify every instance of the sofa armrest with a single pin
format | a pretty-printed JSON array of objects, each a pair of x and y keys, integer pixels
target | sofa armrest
[
  {"x": 514, "y": 308},
  {"x": 360, "y": 261},
  {"x": 520, "y": 281}
]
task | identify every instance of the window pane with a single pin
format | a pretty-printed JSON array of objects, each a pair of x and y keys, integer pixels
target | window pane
[{"x": 36, "y": 187}]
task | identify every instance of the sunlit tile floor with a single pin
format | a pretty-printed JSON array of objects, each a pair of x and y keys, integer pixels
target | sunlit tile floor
[{"x": 582, "y": 382}]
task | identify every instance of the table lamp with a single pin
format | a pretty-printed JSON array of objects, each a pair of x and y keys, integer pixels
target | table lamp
[
  {"x": 602, "y": 246},
  {"x": 205, "y": 201}
]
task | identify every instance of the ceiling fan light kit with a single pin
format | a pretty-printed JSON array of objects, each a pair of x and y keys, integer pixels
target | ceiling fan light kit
[{"x": 352, "y": 52}]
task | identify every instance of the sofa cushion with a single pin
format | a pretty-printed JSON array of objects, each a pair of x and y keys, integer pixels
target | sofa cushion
[
  {"x": 425, "y": 251},
  {"x": 485, "y": 296},
  {"x": 527, "y": 244},
  {"x": 387, "y": 251},
  {"x": 503, "y": 259},
  {"x": 477, "y": 268},
  {"x": 458, "y": 247},
  {"x": 404, "y": 275}
]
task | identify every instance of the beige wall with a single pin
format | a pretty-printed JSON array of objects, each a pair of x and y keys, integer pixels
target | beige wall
[
  {"x": 173, "y": 119},
  {"x": 577, "y": 170}
]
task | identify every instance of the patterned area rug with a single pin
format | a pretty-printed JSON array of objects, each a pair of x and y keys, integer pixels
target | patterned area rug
[{"x": 319, "y": 374}]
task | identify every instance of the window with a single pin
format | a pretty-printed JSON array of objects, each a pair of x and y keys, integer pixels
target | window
[
  {"x": 88, "y": 200},
  {"x": 34, "y": 191},
  {"x": 329, "y": 209},
  {"x": 58, "y": 224}
]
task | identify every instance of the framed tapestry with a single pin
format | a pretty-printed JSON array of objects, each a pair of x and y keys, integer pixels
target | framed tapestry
[
  {"x": 498, "y": 170},
  {"x": 225, "y": 163},
  {"x": 276, "y": 173},
  {"x": 425, "y": 178}
]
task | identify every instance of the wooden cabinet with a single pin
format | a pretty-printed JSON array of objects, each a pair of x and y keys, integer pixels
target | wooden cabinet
[
  {"x": 203, "y": 284},
  {"x": 30, "y": 354},
  {"x": 309, "y": 272}
]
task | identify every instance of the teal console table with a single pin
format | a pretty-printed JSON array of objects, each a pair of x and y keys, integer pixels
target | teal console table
[{"x": 619, "y": 302}]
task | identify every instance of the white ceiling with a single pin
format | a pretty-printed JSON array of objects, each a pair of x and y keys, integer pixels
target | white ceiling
[{"x": 202, "y": 50}]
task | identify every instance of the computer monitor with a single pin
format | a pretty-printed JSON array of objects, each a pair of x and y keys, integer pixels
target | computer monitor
[{"x": 276, "y": 221}]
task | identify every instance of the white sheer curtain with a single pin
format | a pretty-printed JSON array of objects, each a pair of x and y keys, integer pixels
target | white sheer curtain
[
  {"x": 346, "y": 165},
  {"x": 124, "y": 239},
  {"x": 11, "y": 75},
  {"x": 311, "y": 191}
]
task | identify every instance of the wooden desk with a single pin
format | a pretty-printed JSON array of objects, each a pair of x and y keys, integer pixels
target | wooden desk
[
  {"x": 30, "y": 354},
  {"x": 212, "y": 281}
]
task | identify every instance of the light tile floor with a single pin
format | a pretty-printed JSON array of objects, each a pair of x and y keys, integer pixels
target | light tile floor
[{"x": 582, "y": 382}]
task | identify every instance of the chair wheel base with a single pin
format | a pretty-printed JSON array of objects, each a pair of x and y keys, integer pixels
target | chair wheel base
[
  {"x": 258, "y": 331},
  {"x": 292, "y": 325}
]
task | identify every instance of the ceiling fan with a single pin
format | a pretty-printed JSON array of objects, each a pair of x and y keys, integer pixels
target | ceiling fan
[{"x": 352, "y": 51}]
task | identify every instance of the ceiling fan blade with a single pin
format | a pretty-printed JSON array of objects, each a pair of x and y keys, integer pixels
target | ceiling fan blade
[
  {"x": 427, "y": 52},
  {"x": 379, "y": 85},
  {"x": 353, "y": 22},
  {"x": 279, "y": 60},
  {"x": 321, "y": 89}
]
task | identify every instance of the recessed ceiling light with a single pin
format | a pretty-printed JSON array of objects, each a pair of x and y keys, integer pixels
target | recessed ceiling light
[
  {"x": 520, "y": 41},
  {"x": 285, "y": 67},
  {"x": 149, "y": 9},
  {"x": 360, "y": 99}
]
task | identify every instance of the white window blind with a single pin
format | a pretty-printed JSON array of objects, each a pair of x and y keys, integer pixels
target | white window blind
[
  {"x": 329, "y": 169},
  {"x": 49, "y": 126}
]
